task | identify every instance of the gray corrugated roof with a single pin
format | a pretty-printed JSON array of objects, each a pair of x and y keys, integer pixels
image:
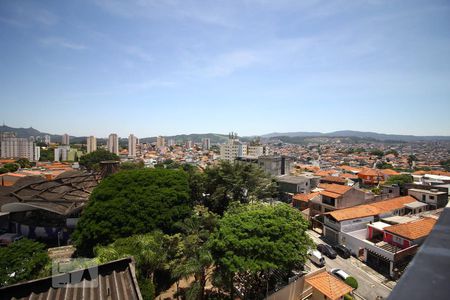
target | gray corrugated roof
[
  {"x": 114, "y": 280},
  {"x": 65, "y": 194}
]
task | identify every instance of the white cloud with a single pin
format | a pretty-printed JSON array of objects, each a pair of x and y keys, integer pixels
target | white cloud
[{"x": 61, "y": 42}]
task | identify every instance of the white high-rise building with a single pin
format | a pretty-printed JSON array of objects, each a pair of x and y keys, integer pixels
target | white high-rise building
[
  {"x": 132, "y": 141},
  {"x": 206, "y": 143},
  {"x": 47, "y": 139},
  {"x": 61, "y": 153},
  {"x": 171, "y": 142},
  {"x": 91, "y": 144},
  {"x": 233, "y": 148},
  {"x": 113, "y": 143},
  {"x": 65, "y": 139},
  {"x": 37, "y": 153},
  {"x": 160, "y": 141},
  {"x": 13, "y": 147},
  {"x": 188, "y": 144}
]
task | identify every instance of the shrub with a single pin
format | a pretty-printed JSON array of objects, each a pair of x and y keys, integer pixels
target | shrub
[{"x": 351, "y": 281}]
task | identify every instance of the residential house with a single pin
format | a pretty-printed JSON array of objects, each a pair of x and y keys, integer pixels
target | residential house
[
  {"x": 435, "y": 198},
  {"x": 370, "y": 176},
  {"x": 356, "y": 218}
]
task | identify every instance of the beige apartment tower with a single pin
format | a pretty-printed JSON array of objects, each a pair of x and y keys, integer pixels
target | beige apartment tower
[
  {"x": 113, "y": 143},
  {"x": 91, "y": 144}
]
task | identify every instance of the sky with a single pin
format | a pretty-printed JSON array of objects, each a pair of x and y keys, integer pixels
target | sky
[{"x": 92, "y": 67}]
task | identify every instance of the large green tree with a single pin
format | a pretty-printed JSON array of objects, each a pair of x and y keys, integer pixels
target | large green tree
[
  {"x": 151, "y": 251},
  {"x": 133, "y": 202},
  {"x": 24, "y": 162},
  {"x": 22, "y": 260},
  {"x": 256, "y": 246},
  {"x": 235, "y": 182},
  {"x": 196, "y": 260},
  {"x": 91, "y": 161},
  {"x": 11, "y": 167},
  {"x": 400, "y": 179}
]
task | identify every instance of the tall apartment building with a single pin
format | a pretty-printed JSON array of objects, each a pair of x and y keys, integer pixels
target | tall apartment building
[
  {"x": 206, "y": 143},
  {"x": 65, "y": 139},
  {"x": 91, "y": 144},
  {"x": 188, "y": 144},
  {"x": 171, "y": 142},
  {"x": 113, "y": 143},
  {"x": 14, "y": 147},
  {"x": 47, "y": 139},
  {"x": 160, "y": 142},
  {"x": 132, "y": 141},
  {"x": 233, "y": 148}
]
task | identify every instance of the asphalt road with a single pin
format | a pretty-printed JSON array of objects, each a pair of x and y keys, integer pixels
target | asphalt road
[{"x": 369, "y": 282}]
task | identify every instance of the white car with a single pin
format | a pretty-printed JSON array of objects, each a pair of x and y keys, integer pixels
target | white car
[
  {"x": 339, "y": 273},
  {"x": 316, "y": 257}
]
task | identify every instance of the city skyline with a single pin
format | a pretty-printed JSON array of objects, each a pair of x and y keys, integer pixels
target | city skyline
[{"x": 165, "y": 68}]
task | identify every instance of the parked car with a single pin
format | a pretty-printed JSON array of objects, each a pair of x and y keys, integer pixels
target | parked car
[
  {"x": 8, "y": 238},
  {"x": 327, "y": 250},
  {"x": 316, "y": 257},
  {"x": 339, "y": 273},
  {"x": 343, "y": 251}
]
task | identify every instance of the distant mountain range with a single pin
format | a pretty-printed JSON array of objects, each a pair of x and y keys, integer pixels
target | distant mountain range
[
  {"x": 359, "y": 134},
  {"x": 218, "y": 138}
]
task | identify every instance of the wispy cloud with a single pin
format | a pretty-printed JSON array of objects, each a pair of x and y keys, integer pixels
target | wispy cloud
[
  {"x": 228, "y": 63},
  {"x": 139, "y": 53},
  {"x": 22, "y": 14},
  {"x": 62, "y": 42}
]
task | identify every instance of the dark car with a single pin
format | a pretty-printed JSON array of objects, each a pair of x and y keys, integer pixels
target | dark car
[
  {"x": 327, "y": 250},
  {"x": 342, "y": 251}
]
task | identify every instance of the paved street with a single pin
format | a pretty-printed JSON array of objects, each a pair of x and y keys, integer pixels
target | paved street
[{"x": 371, "y": 283}]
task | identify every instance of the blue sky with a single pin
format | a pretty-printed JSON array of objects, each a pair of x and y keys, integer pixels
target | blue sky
[{"x": 251, "y": 66}]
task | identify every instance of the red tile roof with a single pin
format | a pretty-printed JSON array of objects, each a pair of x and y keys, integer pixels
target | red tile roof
[
  {"x": 335, "y": 188},
  {"x": 329, "y": 285},
  {"x": 413, "y": 230}
]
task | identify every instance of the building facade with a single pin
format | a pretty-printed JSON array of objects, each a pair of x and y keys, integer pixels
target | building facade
[
  {"x": 14, "y": 147},
  {"x": 132, "y": 142},
  {"x": 91, "y": 144},
  {"x": 113, "y": 143},
  {"x": 65, "y": 139}
]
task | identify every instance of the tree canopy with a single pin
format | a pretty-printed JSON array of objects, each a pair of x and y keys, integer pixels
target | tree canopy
[
  {"x": 235, "y": 182},
  {"x": 399, "y": 179},
  {"x": 152, "y": 252},
  {"x": 22, "y": 260},
  {"x": 92, "y": 160},
  {"x": 23, "y": 163},
  {"x": 133, "y": 202},
  {"x": 11, "y": 167},
  {"x": 258, "y": 244}
]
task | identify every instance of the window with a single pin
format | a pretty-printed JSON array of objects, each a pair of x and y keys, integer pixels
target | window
[
  {"x": 431, "y": 197},
  {"x": 397, "y": 240},
  {"x": 424, "y": 198}
]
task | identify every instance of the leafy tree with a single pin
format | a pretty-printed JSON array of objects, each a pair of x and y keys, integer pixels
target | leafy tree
[
  {"x": 128, "y": 165},
  {"x": 3, "y": 170},
  {"x": 23, "y": 162},
  {"x": 257, "y": 245},
  {"x": 47, "y": 154},
  {"x": 400, "y": 179},
  {"x": 22, "y": 260},
  {"x": 384, "y": 165},
  {"x": 446, "y": 164},
  {"x": 11, "y": 167},
  {"x": 132, "y": 202},
  {"x": 351, "y": 281},
  {"x": 196, "y": 259},
  {"x": 91, "y": 161},
  {"x": 151, "y": 251},
  {"x": 412, "y": 158},
  {"x": 235, "y": 182},
  {"x": 391, "y": 151},
  {"x": 377, "y": 152}
]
